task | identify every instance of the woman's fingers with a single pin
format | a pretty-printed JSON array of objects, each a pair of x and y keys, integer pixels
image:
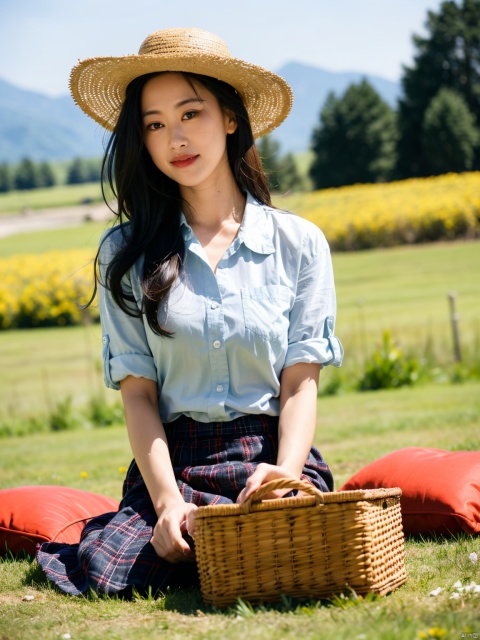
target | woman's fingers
[
  {"x": 263, "y": 474},
  {"x": 190, "y": 523},
  {"x": 167, "y": 538}
]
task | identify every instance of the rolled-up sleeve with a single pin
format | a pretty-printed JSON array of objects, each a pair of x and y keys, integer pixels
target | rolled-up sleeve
[
  {"x": 125, "y": 346},
  {"x": 311, "y": 336}
]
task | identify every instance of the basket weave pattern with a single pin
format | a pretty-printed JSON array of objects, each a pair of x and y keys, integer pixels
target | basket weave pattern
[{"x": 312, "y": 546}]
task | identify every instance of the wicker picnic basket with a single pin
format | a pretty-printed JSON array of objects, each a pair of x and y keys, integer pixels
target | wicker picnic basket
[{"x": 312, "y": 546}]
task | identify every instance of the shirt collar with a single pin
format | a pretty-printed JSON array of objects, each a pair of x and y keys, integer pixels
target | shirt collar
[
  {"x": 185, "y": 228},
  {"x": 255, "y": 232}
]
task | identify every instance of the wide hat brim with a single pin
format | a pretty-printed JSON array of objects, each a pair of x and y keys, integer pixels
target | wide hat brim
[{"x": 98, "y": 85}]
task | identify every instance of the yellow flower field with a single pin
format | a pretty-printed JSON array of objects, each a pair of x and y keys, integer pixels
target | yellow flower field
[
  {"x": 383, "y": 215},
  {"x": 46, "y": 289}
]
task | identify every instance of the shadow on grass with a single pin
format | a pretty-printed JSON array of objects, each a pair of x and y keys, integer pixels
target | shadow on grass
[
  {"x": 446, "y": 538},
  {"x": 35, "y": 577},
  {"x": 188, "y": 601}
]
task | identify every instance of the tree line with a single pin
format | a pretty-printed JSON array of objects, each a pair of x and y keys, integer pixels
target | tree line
[
  {"x": 34, "y": 175},
  {"x": 436, "y": 126}
]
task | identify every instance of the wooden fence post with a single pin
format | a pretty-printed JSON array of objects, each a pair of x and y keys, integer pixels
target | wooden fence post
[{"x": 455, "y": 332}]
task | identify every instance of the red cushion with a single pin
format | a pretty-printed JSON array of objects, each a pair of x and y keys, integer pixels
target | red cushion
[
  {"x": 440, "y": 489},
  {"x": 31, "y": 515}
]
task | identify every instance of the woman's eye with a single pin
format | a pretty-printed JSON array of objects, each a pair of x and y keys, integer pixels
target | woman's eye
[
  {"x": 153, "y": 126},
  {"x": 190, "y": 114}
]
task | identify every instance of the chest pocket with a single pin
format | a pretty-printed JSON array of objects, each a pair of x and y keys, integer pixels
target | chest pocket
[{"x": 266, "y": 310}]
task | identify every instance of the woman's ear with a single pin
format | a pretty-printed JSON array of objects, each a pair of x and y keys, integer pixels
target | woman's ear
[{"x": 230, "y": 121}]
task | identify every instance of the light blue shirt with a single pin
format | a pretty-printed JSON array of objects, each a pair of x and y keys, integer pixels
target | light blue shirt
[{"x": 270, "y": 305}]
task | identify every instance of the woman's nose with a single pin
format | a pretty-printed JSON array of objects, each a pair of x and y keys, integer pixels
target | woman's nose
[{"x": 177, "y": 138}]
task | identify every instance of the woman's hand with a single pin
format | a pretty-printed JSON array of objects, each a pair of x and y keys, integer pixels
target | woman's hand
[
  {"x": 263, "y": 474},
  {"x": 167, "y": 539}
]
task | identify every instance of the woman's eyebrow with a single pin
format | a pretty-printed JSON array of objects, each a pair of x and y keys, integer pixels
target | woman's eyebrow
[{"x": 182, "y": 103}]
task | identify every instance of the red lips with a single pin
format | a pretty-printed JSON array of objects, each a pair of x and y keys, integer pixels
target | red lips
[{"x": 183, "y": 161}]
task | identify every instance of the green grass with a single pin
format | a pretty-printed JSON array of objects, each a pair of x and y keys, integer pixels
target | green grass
[
  {"x": 85, "y": 236},
  {"x": 405, "y": 291},
  {"x": 39, "y": 368},
  {"x": 352, "y": 430},
  {"x": 60, "y": 458},
  {"x": 49, "y": 198}
]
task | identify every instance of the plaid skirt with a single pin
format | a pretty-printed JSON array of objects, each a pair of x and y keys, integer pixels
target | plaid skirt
[{"x": 212, "y": 463}]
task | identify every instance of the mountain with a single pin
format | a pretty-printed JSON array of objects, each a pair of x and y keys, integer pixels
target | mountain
[{"x": 43, "y": 128}]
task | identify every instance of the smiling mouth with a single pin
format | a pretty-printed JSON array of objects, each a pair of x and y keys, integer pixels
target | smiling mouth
[{"x": 183, "y": 161}]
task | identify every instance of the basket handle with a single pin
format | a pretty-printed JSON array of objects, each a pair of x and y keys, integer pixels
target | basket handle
[{"x": 283, "y": 483}]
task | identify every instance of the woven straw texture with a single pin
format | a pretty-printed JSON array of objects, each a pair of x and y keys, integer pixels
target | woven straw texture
[
  {"x": 98, "y": 85},
  {"x": 311, "y": 547}
]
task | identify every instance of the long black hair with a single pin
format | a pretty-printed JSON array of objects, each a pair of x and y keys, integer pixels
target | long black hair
[{"x": 151, "y": 201}]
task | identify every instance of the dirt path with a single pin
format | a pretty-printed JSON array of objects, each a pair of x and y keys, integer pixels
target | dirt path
[{"x": 52, "y": 219}]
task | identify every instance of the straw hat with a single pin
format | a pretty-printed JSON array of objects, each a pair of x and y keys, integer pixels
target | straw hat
[{"x": 98, "y": 85}]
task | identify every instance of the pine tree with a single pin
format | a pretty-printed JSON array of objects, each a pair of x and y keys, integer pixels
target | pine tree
[
  {"x": 46, "y": 176},
  {"x": 26, "y": 175},
  {"x": 355, "y": 141},
  {"x": 269, "y": 152},
  {"x": 449, "y": 134},
  {"x": 94, "y": 170},
  {"x": 449, "y": 56},
  {"x": 6, "y": 179},
  {"x": 288, "y": 177},
  {"x": 78, "y": 172}
]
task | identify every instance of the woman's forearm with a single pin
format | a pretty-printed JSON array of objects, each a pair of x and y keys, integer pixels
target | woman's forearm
[
  {"x": 298, "y": 414},
  {"x": 296, "y": 429},
  {"x": 149, "y": 442}
]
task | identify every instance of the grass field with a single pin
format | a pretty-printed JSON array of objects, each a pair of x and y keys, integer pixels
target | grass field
[
  {"x": 405, "y": 290},
  {"x": 85, "y": 236},
  {"x": 352, "y": 430},
  {"x": 50, "y": 198}
]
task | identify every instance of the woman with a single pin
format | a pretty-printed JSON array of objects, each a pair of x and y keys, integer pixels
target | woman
[{"x": 217, "y": 310}]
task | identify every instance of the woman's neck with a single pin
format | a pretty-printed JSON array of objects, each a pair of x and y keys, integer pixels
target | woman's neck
[
  {"x": 214, "y": 213},
  {"x": 213, "y": 206}
]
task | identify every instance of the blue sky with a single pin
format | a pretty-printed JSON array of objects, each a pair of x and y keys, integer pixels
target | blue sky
[{"x": 40, "y": 40}]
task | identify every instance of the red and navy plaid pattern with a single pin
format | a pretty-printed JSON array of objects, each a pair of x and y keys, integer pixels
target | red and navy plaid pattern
[{"x": 212, "y": 463}]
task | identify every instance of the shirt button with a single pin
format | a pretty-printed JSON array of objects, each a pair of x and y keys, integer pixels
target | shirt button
[
  {"x": 219, "y": 388},
  {"x": 214, "y": 305},
  {"x": 217, "y": 344},
  {"x": 104, "y": 339}
]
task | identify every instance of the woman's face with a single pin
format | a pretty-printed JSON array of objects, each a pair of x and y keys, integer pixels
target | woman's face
[{"x": 185, "y": 133}]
